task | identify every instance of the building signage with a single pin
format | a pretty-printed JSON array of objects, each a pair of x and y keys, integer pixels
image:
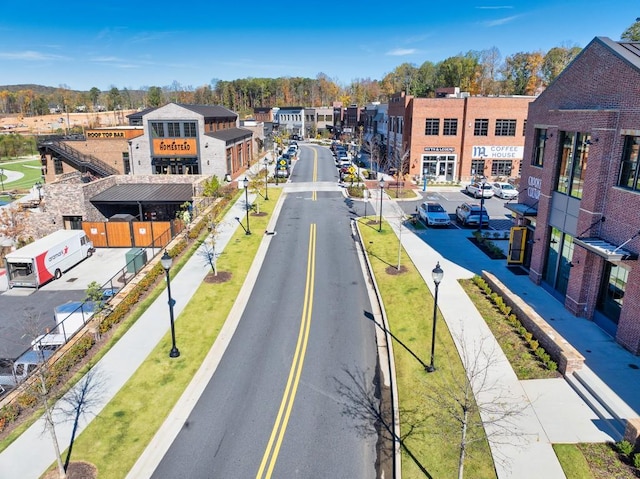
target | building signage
[
  {"x": 533, "y": 187},
  {"x": 440, "y": 149},
  {"x": 174, "y": 147},
  {"x": 105, "y": 134},
  {"x": 498, "y": 152}
]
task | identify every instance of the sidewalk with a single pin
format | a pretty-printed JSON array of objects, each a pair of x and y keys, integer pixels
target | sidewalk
[
  {"x": 553, "y": 410},
  {"x": 32, "y": 453}
]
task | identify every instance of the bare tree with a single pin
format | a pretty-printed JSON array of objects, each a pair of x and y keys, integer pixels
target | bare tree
[
  {"x": 477, "y": 401},
  {"x": 208, "y": 252}
]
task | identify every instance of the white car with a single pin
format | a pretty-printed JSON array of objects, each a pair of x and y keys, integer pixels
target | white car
[
  {"x": 478, "y": 189},
  {"x": 505, "y": 191},
  {"x": 433, "y": 214}
]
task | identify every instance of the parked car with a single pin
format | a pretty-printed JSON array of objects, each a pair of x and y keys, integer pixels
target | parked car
[
  {"x": 477, "y": 189},
  {"x": 504, "y": 190},
  {"x": 433, "y": 214},
  {"x": 469, "y": 214},
  {"x": 282, "y": 173}
]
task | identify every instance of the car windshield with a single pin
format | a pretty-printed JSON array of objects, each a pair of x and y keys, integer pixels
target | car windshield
[
  {"x": 508, "y": 187},
  {"x": 435, "y": 209},
  {"x": 476, "y": 209}
]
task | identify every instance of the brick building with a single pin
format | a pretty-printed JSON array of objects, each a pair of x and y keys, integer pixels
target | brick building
[
  {"x": 457, "y": 137},
  {"x": 579, "y": 209}
]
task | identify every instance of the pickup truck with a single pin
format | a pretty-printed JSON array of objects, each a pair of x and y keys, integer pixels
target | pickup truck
[{"x": 13, "y": 373}]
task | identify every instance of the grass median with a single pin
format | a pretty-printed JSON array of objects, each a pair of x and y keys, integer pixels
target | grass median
[
  {"x": 115, "y": 439},
  {"x": 431, "y": 435}
]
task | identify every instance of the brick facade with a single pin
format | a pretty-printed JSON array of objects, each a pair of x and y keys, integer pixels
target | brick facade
[
  {"x": 598, "y": 96},
  {"x": 446, "y": 128}
]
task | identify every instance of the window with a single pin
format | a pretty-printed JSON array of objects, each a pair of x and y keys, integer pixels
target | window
[
  {"x": 524, "y": 128},
  {"x": 481, "y": 127},
  {"x": 572, "y": 163},
  {"x": 477, "y": 167},
  {"x": 539, "y": 142},
  {"x": 126, "y": 163},
  {"x": 173, "y": 129},
  {"x": 612, "y": 289},
  {"x": 157, "y": 129},
  {"x": 57, "y": 166},
  {"x": 629, "y": 168},
  {"x": 501, "y": 167},
  {"x": 432, "y": 126},
  {"x": 190, "y": 129},
  {"x": 450, "y": 127},
  {"x": 505, "y": 127}
]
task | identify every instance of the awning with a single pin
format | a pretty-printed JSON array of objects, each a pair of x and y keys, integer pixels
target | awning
[
  {"x": 522, "y": 209},
  {"x": 606, "y": 250}
]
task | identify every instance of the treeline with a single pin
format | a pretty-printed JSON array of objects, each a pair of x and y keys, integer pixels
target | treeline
[{"x": 477, "y": 72}]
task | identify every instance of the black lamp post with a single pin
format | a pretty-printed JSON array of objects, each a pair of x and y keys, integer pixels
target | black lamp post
[
  {"x": 166, "y": 261},
  {"x": 266, "y": 179},
  {"x": 246, "y": 199},
  {"x": 437, "y": 275},
  {"x": 381, "y": 185},
  {"x": 483, "y": 182},
  {"x": 39, "y": 188},
  {"x": 2, "y": 178}
]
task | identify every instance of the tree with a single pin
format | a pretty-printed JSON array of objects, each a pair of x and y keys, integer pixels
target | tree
[
  {"x": 522, "y": 73},
  {"x": 459, "y": 71},
  {"x": 94, "y": 94},
  {"x": 555, "y": 61},
  {"x": 154, "y": 96},
  {"x": 490, "y": 61},
  {"x": 113, "y": 99},
  {"x": 632, "y": 34},
  {"x": 476, "y": 401}
]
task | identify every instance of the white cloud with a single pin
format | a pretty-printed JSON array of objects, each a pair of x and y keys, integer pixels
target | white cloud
[
  {"x": 29, "y": 55},
  {"x": 400, "y": 52},
  {"x": 501, "y": 21}
]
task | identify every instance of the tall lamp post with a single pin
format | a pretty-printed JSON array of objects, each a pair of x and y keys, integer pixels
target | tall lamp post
[
  {"x": 483, "y": 182},
  {"x": 2, "y": 178},
  {"x": 246, "y": 199},
  {"x": 381, "y": 185},
  {"x": 266, "y": 179},
  {"x": 166, "y": 261},
  {"x": 38, "y": 186},
  {"x": 437, "y": 275}
]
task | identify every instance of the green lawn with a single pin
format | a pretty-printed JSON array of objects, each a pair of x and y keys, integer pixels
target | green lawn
[
  {"x": 432, "y": 436},
  {"x": 30, "y": 168}
]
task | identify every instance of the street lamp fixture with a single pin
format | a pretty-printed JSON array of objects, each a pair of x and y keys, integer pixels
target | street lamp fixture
[
  {"x": 381, "y": 185},
  {"x": 266, "y": 179},
  {"x": 483, "y": 182},
  {"x": 246, "y": 199},
  {"x": 437, "y": 275},
  {"x": 166, "y": 261},
  {"x": 38, "y": 186}
]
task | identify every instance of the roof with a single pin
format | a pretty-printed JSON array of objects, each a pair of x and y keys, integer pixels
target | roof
[
  {"x": 522, "y": 209},
  {"x": 146, "y": 193},
  {"x": 628, "y": 51},
  {"x": 207, "y": 111},
  {"x": 230, "y": 134},
  {"x": 606, "y": 250}
]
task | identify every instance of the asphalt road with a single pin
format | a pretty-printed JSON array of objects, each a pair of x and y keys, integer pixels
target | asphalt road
[{"x": 277, "y": 406}]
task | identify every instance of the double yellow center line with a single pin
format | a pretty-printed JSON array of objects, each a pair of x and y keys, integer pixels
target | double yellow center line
[{"x": 279, "y": 428}]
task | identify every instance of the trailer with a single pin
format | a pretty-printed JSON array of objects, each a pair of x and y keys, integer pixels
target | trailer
[
  {"x": 47, "y": 258},
  {"x": 70, "y": 318}
]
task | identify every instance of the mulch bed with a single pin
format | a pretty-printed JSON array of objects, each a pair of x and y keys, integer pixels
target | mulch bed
[
  {"x": 393, "y": 270},
  {"x": 221, "y": 277},
  {"x": 76, "y": 470},
  {"x": 483, "y": 247}
]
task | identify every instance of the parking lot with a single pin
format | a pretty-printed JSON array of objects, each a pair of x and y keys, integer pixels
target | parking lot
[
  {"x": 451, "y": 197},
  {"x": 26, "y": 312}
]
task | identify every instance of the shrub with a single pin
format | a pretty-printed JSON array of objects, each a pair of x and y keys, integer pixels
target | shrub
[
  {"x": 534, "y": 344},
  {"x": 636, "y": 461},
  {"x": 624, "y": 447}
]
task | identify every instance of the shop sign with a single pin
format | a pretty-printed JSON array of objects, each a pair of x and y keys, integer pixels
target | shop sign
[
  {"x": 498, "y": 152},
  {"x": 174, "y": 147},
  {"x": 534, "y": 185}
]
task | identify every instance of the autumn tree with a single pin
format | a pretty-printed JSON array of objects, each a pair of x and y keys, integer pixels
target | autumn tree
[
  {"x": 522, "y": 73},
  {"x": 459, "y": 71}
]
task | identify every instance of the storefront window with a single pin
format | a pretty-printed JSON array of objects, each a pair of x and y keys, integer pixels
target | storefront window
[
  {"x": 572, "y": 163},
  {"x": 614, "y": 284}
]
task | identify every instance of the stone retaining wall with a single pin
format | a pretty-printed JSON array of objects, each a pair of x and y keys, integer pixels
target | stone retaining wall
[{"x": 567, "y": 357}]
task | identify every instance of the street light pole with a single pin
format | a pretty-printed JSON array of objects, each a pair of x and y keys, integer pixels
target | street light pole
[
  {"x": 39, "y": 188},
  {"x": 266, "y": 179},
  {"x": 166, "y": 261},
  {"x": 482, "y": 183},
  {"x": 2, "y": 178},
  {"x": 381, "y": 184},
  {"x": 437, "y": 275},
  {"x": 246, "y": 199}
]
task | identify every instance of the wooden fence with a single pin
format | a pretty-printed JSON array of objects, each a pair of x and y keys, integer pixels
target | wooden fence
[{"x": 128, "y": 234}]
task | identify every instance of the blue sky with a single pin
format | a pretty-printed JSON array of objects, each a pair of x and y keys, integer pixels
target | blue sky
[{"x": 140, "y": 44}]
